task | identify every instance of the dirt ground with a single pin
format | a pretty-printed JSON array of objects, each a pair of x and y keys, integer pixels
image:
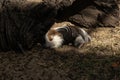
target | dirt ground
[
  {"x": 105, "y": 41},
  {"x": 97, "y": 60}
]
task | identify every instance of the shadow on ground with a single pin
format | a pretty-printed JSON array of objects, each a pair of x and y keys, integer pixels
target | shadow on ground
[{"x": 68, "y": 64}]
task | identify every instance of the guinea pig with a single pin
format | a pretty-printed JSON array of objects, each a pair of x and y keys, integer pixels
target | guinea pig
[{"x": 65, "y": 34}]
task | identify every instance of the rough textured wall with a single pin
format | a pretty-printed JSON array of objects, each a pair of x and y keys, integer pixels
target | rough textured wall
[
  {"x": 91, "y": 13},
  {"x": 21, "y": 22}
]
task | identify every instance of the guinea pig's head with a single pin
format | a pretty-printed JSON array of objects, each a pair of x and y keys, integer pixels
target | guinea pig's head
[{"x": 53, "y": 39}]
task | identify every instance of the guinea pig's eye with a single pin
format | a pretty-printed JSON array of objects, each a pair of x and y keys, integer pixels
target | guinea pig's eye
[{"x": 51, "y": 38}]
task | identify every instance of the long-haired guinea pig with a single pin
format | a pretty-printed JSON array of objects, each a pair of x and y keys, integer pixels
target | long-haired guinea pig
[{"x": 65, "y": 33}]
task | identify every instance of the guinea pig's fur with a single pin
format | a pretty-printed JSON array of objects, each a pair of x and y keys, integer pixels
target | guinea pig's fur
[{"x": 66, "y": 33}]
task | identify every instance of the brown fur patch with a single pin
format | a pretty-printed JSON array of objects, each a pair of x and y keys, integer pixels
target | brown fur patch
[
  {"x": 61, "y": 24},
  {"x": 51, "y": 33}
]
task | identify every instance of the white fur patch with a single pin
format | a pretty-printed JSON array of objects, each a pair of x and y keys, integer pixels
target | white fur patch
[
  {"x": 78, "y": 41},
  {"x": 86, "y": 36},
  {"x": 57, "y": 40},
  {"x": 55, "y": 43}
]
